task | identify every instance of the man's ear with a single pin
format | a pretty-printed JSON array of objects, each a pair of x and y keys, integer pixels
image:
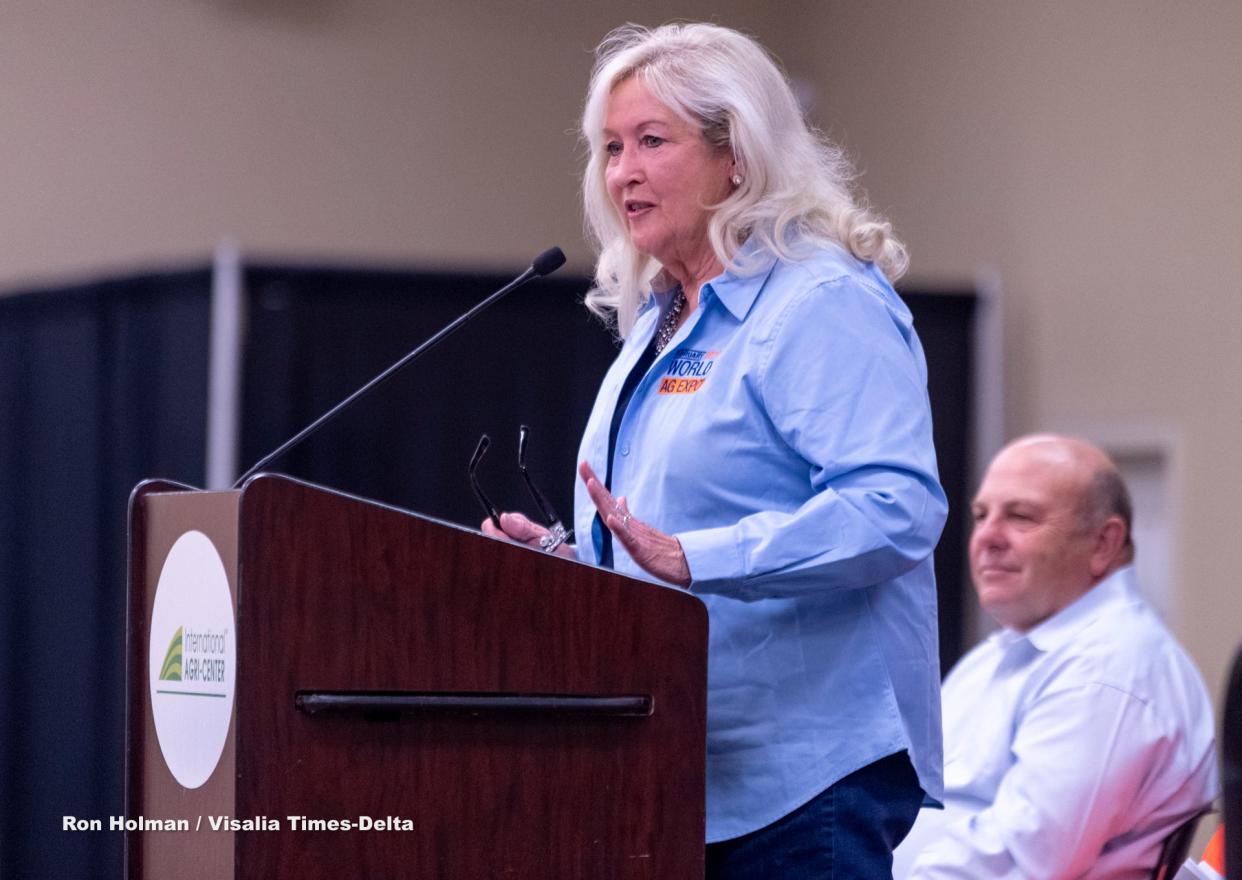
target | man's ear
[{"x": 1110, "y": 539}]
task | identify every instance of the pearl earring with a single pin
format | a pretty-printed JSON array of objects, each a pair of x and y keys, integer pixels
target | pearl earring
[{"x": 736, "y": 180}]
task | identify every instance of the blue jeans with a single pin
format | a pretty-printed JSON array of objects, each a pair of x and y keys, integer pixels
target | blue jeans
[{"x": 847, "y": 831}]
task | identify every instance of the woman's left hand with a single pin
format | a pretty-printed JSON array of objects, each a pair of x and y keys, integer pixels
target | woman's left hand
[{"x": 658, "y": 554}]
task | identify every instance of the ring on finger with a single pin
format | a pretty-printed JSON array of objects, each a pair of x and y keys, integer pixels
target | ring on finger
[{"x": 556, "y": 536}]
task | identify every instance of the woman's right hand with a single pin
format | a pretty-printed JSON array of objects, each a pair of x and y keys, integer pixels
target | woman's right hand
[{"x": 519, "y": 529}]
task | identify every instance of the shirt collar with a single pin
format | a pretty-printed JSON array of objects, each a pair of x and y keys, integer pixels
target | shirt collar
[
  {"x": 1118, "y": 588},
  {"x": 737, "y": 292}
]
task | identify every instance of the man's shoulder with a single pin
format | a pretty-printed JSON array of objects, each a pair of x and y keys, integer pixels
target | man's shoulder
[
  {"x": 1117, "y": 642},
  {"x": 1126, "y": 648}
]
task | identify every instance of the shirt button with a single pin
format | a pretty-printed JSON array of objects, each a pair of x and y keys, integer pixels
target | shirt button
[{"x": 625, "y": 450}]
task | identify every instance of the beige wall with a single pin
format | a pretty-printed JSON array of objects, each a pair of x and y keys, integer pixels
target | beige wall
[
  {"x": 143, "y": 130},
  {"x": 1085, "y": 150}
]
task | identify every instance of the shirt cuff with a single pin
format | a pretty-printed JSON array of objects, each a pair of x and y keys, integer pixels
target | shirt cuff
[{"x": 714, "y": 557}]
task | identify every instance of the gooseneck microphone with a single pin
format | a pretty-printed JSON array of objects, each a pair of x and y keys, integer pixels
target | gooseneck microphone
[{"x": 544, "y": 264}]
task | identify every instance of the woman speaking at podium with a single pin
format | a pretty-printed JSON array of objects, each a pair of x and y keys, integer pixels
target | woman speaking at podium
[{"x": 764, "y": 441}]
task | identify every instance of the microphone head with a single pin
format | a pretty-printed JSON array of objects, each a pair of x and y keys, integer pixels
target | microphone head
[{"x": 549, "y": 261}]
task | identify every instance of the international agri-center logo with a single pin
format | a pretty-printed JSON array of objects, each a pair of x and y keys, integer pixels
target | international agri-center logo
[
  {"x": 205, "y": 662},
  {"x": 192, "y": 659}
]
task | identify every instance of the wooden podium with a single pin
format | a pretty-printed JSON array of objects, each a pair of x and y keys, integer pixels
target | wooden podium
[{"x": 474, "y": 709}]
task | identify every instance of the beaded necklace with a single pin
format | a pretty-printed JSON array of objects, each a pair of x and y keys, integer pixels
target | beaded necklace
[{"x": 668, "y": 326}]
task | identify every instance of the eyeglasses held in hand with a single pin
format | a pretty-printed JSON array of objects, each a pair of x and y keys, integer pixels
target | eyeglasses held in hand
[{"x": 557, "y": 533}]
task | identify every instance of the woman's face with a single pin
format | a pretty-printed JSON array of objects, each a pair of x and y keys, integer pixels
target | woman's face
[{"x": 660, "y": 175}]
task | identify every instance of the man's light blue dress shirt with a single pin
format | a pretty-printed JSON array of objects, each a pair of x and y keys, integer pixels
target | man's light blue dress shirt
[{"x": 784, "y": 436}]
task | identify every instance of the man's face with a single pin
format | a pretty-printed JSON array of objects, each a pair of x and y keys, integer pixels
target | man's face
[{"x": 1029, "y": 555}]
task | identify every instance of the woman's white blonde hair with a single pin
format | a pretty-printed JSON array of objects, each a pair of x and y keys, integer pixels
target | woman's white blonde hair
[{"x": 797, "y": 187}]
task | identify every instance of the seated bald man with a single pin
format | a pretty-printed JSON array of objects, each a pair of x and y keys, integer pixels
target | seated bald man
[{"x": 1080, "y": 735}]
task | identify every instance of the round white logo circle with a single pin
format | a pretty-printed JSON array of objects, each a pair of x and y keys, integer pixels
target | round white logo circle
[{"x": 192, "y": 658}]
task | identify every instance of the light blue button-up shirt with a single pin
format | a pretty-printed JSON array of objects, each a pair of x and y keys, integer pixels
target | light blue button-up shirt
[{"x": 784, "y": 436}]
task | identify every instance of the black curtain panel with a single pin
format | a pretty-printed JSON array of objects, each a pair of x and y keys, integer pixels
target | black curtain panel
[
  {"x": 945, "y": 321},
  {"x": 100, "y": 385},
  {"x": 534, "y": 358}
]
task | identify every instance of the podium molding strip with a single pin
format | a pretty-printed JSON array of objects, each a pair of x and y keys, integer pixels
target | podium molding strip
[{"x": 438, "y": 702}]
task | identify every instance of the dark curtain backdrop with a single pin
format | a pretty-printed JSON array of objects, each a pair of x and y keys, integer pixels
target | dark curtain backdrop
[
  {"x": 535, "y": 358},
  {"x": 945, "y": 324},
  {"x": 100, "y": 385},
  {"x": 105, "y": 384}
]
